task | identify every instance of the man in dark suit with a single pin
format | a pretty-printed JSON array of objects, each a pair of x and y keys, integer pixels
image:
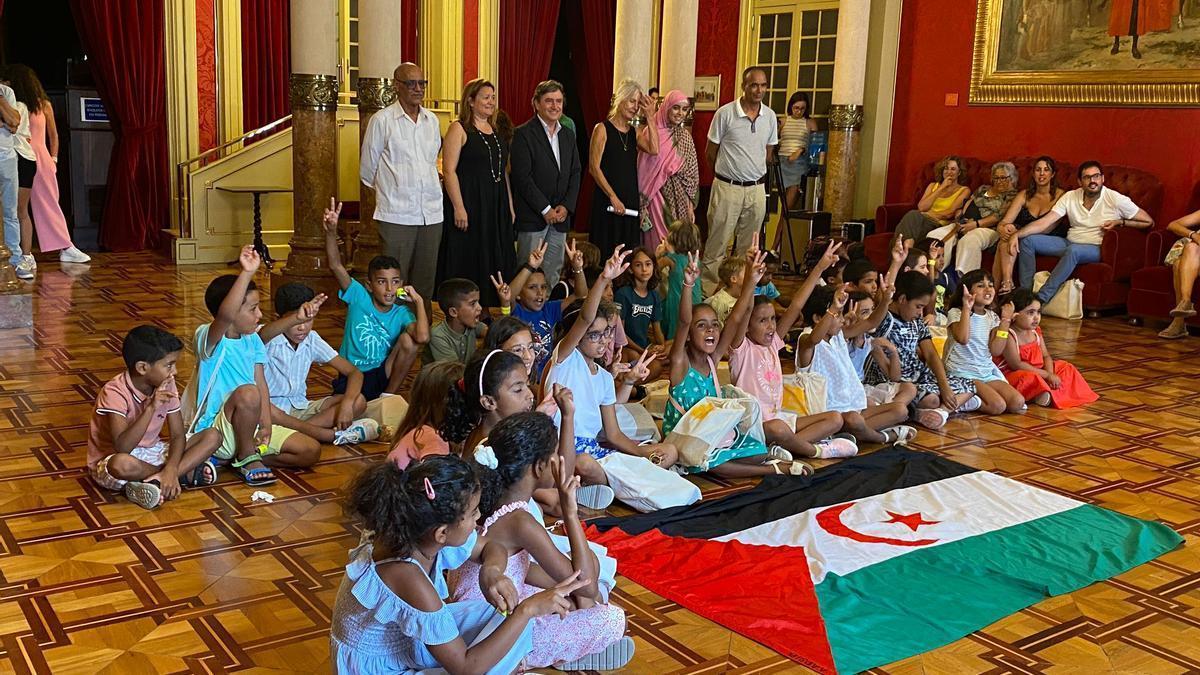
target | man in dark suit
[{"x": 545, "y": 179}]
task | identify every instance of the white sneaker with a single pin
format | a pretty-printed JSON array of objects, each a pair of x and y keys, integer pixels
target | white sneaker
[
  {"x": 359, "y": 431},
  {"x": 595, "y": 497},
  {"x": 613, "y": 657},
  {"x": 71, "y": 254},
  {"x": 146, "y": 495},
  {"x": 26, "y": 269},
  {"x": 836, "y": 448}
]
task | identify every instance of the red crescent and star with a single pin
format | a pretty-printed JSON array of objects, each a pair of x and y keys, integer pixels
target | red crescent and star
[{"x": 830, "y": 520}]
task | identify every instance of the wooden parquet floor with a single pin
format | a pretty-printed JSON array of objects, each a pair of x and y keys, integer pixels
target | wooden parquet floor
[{"x": 212, "y": 583}]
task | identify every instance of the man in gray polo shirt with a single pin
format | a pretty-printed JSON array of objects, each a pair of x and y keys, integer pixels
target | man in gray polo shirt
[{"x": 742, "y": 138}]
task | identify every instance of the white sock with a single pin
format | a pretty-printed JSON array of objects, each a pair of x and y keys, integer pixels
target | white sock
[{"x": 971, "y": 405}]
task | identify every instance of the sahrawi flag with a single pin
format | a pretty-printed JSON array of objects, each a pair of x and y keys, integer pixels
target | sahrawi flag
[{"x": 877, "y": 558}]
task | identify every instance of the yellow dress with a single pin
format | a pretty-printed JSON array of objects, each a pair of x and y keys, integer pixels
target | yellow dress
[{"x": 942, "y": 204}]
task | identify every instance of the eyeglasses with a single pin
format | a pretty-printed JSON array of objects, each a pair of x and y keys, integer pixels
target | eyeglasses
[
  {"x": 596, "y": 336},
  {"x": 534, "y": 348},
  {"x": 1001, "y": 177},
  {"x": 1091, "y": 176},
  {"x": 414, "y": 84}
]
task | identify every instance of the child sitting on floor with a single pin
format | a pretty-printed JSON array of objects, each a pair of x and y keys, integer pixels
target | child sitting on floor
[
  {"x": 382, "y": 335},
  {"x": 230, "y": 392},
  {"x": 694, "y": 357},
  {"x": 684, "y": 238},
  {"x": 390, "y": 614},
  {"x": 455, "y": 338},
  {"x": 903, "y": 325},
  {"x": 1027, "y": 364},
  {"x": 292, "y": 348},
  {"x": 755, "y": 368},
  {"x": 125, "y": 451},
  {"x": 766, "y": 285},
  {"x": 529, "y": 288},
  {"x": 620, "y": 463},
  {"x": 641, "y": 311},
  {"x": 419, "y": 432},
  {"x": 523, "y": 453},
  {"x": 591, "y": 259},
  {"x": 976, "y": 336},
  {"x": 732, "y": 274}
]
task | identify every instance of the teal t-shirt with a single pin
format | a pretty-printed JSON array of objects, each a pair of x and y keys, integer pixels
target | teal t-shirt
[
  {"x": 237, "y": 358},
  {"x": 370, "y": 333}
]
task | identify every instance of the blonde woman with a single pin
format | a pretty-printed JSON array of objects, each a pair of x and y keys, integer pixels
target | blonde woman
[
  {"x": 613, "y": 165},
  {"x": 475, "y": 164}
]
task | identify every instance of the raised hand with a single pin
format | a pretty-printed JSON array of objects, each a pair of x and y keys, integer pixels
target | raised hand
[
  {"x": 756, "y": 262},
  {"x": 900, "y": 250},
  {"x": 412, "y": 296},
  {"x": 968, "y": 303},
  {"x": 537, "y": 255},
  {"x": 502, "y": 289},
  {"x": 616, "y": 265},
  {"x": 850, "y": 317},
  {"x": 884, "y": 293},
  {"x": 840, "y": 296},
  {"x": 564, "y": 399},
  {"x": 330, "y": 221},
  {"x": 575, "y": 256},
  {"x": 249, "y": 259},
  {"x": 640, "y": 370},
  {"x": 308, "y": 311},
  {"x": 692, "y": 272},
  {"x": 567, "y": 484},
  {"x": 1007, "y": 310},
  {"x": 830, "y": 256}
]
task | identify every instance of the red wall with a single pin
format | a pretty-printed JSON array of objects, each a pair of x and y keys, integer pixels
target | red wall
[
  {"x": 935, "y": 59},
  {"x": 716, "y": 54}
]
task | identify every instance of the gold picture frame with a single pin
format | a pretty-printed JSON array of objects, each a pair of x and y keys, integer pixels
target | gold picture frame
[
  {"x": 708, "y": 92},
  {"x": 1072, "y": 62}
]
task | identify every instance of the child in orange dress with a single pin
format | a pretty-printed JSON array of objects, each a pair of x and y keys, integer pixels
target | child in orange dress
[{"x": 1027, "y": 364}]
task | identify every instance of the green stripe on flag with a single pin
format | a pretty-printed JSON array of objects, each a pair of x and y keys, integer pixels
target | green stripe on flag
[{"x": 933, "y": 596}]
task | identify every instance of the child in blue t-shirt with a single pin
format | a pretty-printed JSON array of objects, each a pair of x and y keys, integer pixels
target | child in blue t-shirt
[
  {"x": 641, "y": 310},
  {"x": 230, "y": 393},
  {"x": 532, "y": 291},
  {"x": 383, "y": 335}
]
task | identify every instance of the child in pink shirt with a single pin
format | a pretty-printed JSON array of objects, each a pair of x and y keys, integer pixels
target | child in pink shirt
[{"x": 419, "y": 432}]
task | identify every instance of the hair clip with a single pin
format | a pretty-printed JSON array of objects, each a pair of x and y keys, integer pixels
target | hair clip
[
  {"x": 462, "y": 385},
  {"x": 429, "y": 490},
  {"x": 485, "y": 455}
]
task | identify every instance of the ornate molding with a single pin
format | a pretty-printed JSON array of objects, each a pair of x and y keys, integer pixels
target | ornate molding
[
  {"x": 375, "y": 93},
  {"x": 314, "y": 92},
  {"x": 845, "y": 117}
]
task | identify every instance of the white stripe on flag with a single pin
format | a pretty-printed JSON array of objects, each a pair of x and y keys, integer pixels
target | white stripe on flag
[{"x": 845, "y": 537}]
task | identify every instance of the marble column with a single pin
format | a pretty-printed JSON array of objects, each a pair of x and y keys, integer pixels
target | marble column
[
  {"x": 677, "y": 58},
  {"x": 314, "y": 98},
  {"x": 634, "y": 40},
  {"x": 378, "y": 55},
  {"x": 846, "y": 112}
]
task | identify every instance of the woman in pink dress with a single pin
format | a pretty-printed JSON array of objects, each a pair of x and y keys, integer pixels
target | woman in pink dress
[{"x": 48, "y": 217}]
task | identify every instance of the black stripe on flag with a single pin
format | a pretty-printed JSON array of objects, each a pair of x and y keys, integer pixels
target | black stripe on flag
[{"x": 781, "y": 496}]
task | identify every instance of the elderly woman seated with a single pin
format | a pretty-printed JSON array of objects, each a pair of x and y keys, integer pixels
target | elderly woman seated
[
  {"x": 976, "y": 228},
  {"x": 939, "y": 205}
]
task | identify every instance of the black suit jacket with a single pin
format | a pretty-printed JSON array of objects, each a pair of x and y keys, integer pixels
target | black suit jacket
[{"x": 537, "y": 180}]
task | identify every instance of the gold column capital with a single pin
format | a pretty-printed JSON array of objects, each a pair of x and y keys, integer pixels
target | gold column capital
[
  {"x": 314, "y": 92},
  {"x": 375, "y": 93},
  {"x": 846, "y": 117}
]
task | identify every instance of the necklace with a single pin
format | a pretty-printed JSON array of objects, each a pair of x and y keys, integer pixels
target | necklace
[
  {"x": 621, "y": 137},
  {"x": 494, "y": 163}
]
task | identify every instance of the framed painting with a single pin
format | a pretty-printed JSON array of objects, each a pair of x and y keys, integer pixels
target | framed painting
[
  {"x": 708, "y": 92},
  {"x": 1087, "y": 52}
]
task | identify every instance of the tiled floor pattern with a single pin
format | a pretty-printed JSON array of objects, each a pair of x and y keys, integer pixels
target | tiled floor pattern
[{"x": 212, "y": 583}]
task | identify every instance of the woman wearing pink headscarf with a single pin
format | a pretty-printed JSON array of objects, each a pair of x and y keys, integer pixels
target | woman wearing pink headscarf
[{"x": 669, "y": 182}]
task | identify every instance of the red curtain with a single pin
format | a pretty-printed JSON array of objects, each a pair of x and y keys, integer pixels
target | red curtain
[
  {"x": 527, "y": 30},
  {"x": 124, "y": 43},
  {"x": 266, "y": 61},
  {"x": 595, "y": 21},
  {"x": 409, "y": 16}
]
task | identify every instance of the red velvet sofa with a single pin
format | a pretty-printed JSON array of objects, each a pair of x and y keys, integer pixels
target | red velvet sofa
[
  {"x": 1152, "y": 288},
  {"x": 1106, "y": 284}
]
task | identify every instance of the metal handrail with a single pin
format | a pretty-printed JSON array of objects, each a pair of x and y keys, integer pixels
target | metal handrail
[{"x": 181, "y": 169}]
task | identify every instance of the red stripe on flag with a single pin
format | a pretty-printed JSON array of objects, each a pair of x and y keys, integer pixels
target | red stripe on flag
[{"x": 762, "y": 592}]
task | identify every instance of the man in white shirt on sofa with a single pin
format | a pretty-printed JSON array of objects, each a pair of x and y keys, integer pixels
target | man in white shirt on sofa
[
  {"x": 1092, "y": 210},
  {"x": 399, "y": 161}
]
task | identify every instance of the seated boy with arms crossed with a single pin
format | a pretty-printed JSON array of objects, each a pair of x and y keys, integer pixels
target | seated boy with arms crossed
[
  {"x": 231, "y": 393},
  {"x": 124, "y": 448},
  {"x": 382, "y": 336},
  {"x": 292, "y": 347}
]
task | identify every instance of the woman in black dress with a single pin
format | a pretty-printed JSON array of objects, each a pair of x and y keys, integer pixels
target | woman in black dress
[
  {"x": 613, "y": 164},
  {"x": 475, "y": 161}
]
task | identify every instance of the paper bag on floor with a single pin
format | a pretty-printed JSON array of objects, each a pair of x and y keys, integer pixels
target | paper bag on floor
[
  {"x": 1067, "y": 303},
  {"x": 388, "y": 410}
]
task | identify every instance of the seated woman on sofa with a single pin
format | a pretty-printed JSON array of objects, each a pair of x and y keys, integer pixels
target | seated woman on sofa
[
  {"x": 976, "y": 229},
  {"x": 1030, "y": 204},
  {"x": 940, "y": 204},
  {"x": 1184, "y": 259}
]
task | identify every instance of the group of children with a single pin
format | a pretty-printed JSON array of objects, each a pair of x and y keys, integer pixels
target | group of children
[{"x": 535, "y": 423}]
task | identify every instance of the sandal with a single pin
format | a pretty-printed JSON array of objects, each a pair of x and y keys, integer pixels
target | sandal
[
  {"x": 1184, "y": 310},
  {"x": 794, "y": 468},
  {"x": 203, "y": 475},
  {"x": 253, "y": 477},
  {"x": 1168, "y": 334}
]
